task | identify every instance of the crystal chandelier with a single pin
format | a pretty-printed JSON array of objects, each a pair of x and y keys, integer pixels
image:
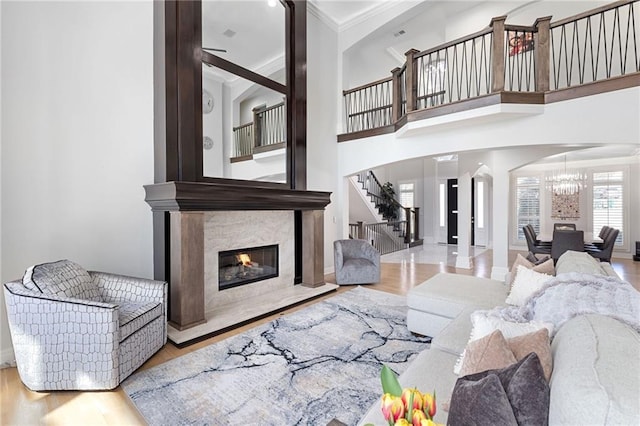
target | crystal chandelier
[{"x": 566, "y": 182}]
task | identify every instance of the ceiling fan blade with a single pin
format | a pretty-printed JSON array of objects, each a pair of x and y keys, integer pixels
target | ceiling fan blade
[{"x": 215, "y": 49}]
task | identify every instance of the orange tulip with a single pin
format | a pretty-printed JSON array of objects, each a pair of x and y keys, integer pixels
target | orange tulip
[
  {"x": 430, "y": 404},
  {"x": 417, "y": 399},
  {"x": 392, "y": 407}
]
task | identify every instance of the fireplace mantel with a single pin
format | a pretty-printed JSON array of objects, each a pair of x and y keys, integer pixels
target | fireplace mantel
[
  {"x": 207, "y": 196},
  {"x": 188, "y": 204}
]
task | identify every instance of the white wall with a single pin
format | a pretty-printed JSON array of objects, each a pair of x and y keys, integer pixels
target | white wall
[
  {"x": 212, "y": 126},
  {"x": 77, "y": 140},
  {"x": 322, "y": 92}
]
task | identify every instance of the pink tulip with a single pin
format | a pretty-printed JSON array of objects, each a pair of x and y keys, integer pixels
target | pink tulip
[
  {"x": 417, "y": 399},
  {"x": 418, "y": 417},
  {"x": 430, "y": 405},
  {"x": 392, "y": 407}
]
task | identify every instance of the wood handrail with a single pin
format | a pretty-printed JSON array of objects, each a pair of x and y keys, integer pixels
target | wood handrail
[
  {"x": 520, "y": 28},
  {"x": 454, "y": 42},
  {"x": 242, "y": 126},
  {"x": 591, "y": 12},
  {"x": 269, "y": 108},
  {"x": 364, "y": 86}
]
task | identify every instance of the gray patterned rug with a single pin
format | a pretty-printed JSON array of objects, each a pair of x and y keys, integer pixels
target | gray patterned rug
[{"x": 305, "y": 368}]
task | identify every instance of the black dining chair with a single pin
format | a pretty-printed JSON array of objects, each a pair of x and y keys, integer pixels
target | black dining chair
[
  {"x": 604, "y": 253},
  {"x": 535, "y": 246},
  {"x": 604, "y": 231},
  {"x": 564, "y": 241}
]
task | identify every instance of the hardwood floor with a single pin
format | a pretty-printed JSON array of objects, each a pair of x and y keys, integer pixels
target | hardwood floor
[{"x": 19, "y": 406}]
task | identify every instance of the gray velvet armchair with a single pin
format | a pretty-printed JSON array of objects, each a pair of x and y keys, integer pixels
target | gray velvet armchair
[{"x": 356, "y": 262}]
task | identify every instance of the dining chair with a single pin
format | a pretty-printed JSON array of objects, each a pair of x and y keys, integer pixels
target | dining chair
[
  {"x": 566, "y": 240},
  {"x": 530, "y": 236},
  {"x": 604, "y": 253}
]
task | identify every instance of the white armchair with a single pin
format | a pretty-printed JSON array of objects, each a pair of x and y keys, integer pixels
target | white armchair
[{"x": 78, "y": 330}]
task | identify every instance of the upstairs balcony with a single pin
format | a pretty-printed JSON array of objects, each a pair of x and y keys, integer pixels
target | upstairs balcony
[{"x": 594, "y": 52}]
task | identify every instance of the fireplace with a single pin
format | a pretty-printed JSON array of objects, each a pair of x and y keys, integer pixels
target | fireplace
[{"x": 248, "y": 265}]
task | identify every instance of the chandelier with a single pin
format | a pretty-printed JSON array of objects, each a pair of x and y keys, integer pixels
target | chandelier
[{"x": 567, "y": 182}]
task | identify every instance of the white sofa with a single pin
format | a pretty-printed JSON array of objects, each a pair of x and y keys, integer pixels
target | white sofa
[{"x": 596, "y": 374}]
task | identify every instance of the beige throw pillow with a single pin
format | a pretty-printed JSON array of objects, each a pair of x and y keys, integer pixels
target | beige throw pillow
[
  {"x": 537, "y": 342},
  {"x": 487, "y": 353},
  {"x": 544, "y": 268}
]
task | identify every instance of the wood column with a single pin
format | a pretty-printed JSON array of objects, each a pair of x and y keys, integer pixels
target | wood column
[
  {"x": 411, "y": 85},
  {"x": 186, "y": 288},
  {"x": 396, "y": 103},
  {"x": 497, "y": 54},
  {"x": 313, "y": 248},
  {"x": 541, "y": 45}
]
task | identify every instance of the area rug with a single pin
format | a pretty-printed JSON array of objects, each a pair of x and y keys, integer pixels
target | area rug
[{"x": 305, "y": 368}]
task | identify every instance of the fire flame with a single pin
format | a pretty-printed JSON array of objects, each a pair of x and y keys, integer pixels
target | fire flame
[{"x": 245, "y": 259}]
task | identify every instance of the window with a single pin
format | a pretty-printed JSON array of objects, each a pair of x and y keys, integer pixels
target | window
[
  {"x": 608, "y": 202},
  {"x": 407, "y": 194},
  {"x": 527, "y": 204}
]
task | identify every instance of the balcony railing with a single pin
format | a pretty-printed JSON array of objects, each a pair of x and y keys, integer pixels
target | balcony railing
[
  {"x": 266, "y": 131},
  {"x": 593, "y": 46}
]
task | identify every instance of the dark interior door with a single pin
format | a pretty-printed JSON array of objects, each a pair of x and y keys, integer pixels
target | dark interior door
[
  {"x": 473, "y": 209},
  {"x": 452, "y": 211}
]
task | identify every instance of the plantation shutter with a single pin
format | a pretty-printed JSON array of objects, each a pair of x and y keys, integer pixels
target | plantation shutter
[
  {"x": 608, "y": 202},
  {"x": 527, "y": 204}
]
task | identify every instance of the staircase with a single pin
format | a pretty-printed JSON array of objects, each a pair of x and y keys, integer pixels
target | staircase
[{"x": 390, "y": 233}]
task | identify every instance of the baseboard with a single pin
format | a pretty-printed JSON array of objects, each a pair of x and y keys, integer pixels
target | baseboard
[
  {"x": 329, "y": 270},
  {"x": 7, "y": 358}
]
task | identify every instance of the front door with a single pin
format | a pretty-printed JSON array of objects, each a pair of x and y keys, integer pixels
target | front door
[{"x": 452, "y": 211}]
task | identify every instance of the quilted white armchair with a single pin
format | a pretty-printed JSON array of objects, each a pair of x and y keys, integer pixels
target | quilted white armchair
[{"x": 78, "y": 330}]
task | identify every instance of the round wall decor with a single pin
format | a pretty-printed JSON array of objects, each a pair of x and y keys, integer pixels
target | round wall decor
[
  {"x": 207, "y": 102},
  {"x": 207, "y": 143}
]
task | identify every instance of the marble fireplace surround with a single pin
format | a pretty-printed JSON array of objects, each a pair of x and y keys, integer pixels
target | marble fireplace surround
[{"x": 205, "y": 218}]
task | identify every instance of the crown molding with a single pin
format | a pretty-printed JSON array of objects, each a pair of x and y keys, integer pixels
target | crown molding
[{"x": 313, "y": 9}]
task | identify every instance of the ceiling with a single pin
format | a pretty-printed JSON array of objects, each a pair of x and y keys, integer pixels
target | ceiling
[{"x": 253, "y": 32}]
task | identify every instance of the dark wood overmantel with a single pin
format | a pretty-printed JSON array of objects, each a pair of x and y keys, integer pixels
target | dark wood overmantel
[{"x": 207, "y": 196}]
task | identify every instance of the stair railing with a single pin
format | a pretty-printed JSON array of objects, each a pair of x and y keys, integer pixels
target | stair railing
[
  {"x": 597, "y": 45},
  {"x": 408, "y": 228}
]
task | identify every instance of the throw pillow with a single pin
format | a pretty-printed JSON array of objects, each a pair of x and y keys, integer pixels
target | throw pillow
[
  {"x": 527, "y": 282},
  {"x": 480, "y": 398},
  {"x": 61, "y": 278},
  {"x": 537, "y": 342},
  {"x": 483, "y": 324},
  {"x": 545, "y": 267},
  {"x": 531, "y": 257},
  {"x": 480, "y": 402},
  {"x": 487, "y": 353}
]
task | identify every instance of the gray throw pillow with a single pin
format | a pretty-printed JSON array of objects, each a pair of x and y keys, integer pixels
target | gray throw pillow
[
  {"x": 476, "y": 401},
  {"x": 62, "y": 278}
]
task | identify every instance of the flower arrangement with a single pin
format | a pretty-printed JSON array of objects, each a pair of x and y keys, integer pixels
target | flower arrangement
[{"x": 405, "y": 407}]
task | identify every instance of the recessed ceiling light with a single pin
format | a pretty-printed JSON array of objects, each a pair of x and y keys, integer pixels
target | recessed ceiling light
[{"x": 272, "y": 3}]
